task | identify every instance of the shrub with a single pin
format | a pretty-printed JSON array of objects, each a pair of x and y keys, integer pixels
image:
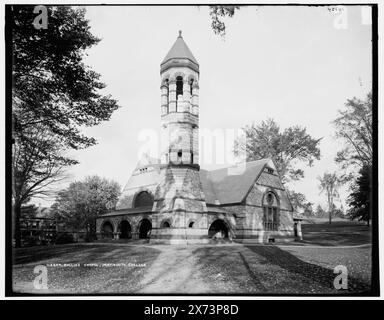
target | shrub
[
  {"x": 65, "y": 238},
  {"x": 31, "y": 241}
]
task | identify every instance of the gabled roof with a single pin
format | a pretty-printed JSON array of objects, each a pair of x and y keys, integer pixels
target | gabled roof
[
  {"x": 147, "y": 160},
  {"x": 149, "y": 176},
  {"x": 180, "y": 50},
  {"x": 231, "y": 185}
]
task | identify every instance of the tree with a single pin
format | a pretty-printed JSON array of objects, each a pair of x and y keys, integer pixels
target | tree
[
  {"x": 354, "y": 128},
  {"x": 297, "y": 199},
  {"x": 320, "y": 212},
  {"x": 36, "y": 165},
  {"x": 217, "y": 13},
  {"x": 52, "y": 86},
  {"x": 82, "y": 202},
  {"x": 308, "y": 210},
  {"x": 286, "y": 148},
  {"x": 53, "y": 95},
  {"x": 300, "y": 202},
  {"x": 330, "y": 183},
  {"x": 360, "y": 199},
  {"x": 29, "y": 211}
]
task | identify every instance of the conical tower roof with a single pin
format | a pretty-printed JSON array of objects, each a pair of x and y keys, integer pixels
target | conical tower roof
[{"x": 180, "y": 50}]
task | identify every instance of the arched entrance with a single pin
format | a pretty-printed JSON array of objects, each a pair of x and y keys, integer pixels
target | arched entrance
[
  {"x": 107, "y": 230},
  {"x": 125, "y": 230},
  {"x": 218, "y": 230},
  {"x": 145, "y": 229}
]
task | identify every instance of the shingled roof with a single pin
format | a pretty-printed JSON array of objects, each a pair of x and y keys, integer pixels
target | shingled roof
[
  {"x": 180, "y": 50},
  {"x": 231, "y": 185}
]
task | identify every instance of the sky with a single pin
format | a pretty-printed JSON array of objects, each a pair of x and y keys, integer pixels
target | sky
[{"x": 296, "y": 65}]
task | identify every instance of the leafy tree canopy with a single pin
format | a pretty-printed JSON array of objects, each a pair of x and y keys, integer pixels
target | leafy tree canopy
[
  {"x": 286, "y": 148},
  {"x": 360, "y": 198},
  {"x": 52, "y": 86},
  {"x": 300, "y": 203},
  {"x": 83, "y": 201},
  {"x": 330, "y": 183},
  {"x": 217, "y": 14},
  {"x": 37, "y": 163},
  {"x": 354, "y": 128},
  {"x": 54, "y": 94}
]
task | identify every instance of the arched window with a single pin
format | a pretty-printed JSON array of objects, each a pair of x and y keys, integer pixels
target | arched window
[
  {"x": 271, "y": 211},
  {"x": 166, "y": 224},
  {"x": 179, "y": 86},
  {"x": 143, "y": 199},
  {"x": 180, "y": 156}
]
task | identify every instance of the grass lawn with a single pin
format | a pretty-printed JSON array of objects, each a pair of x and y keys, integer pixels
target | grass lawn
[
  {"x": 339, "y": 233},
  {"x": 130, "y": 265},
  {"x": 296, "y": 268}
]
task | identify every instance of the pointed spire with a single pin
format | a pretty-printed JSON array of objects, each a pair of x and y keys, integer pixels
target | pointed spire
[{"x": 180, "y": 50}]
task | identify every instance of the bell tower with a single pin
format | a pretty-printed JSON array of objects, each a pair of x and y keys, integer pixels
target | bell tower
[
  {"x": 179, "y": 73},
  {"x": 179, "y": 209}
]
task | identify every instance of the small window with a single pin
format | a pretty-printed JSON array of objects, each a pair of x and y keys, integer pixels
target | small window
[
  {"x": 179, "y": 155},
  {"x": 191, "y": 224},
  {"x": 270, "y": 170},
  {"x": 166, "y": 224}
]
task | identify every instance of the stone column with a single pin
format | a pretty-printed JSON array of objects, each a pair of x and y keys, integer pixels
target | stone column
[
  {"x": 135, "y": 235},
  {"x": 299, "y": 233},
  {"x": 172, "y": 96},
  {"x": 297, "y": 230},
  {"x": 187, "y": 96},
  {"x": 195, "y": 99}
]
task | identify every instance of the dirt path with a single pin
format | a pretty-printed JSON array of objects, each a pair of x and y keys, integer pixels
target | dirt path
[{"x": 174, "y": 271}]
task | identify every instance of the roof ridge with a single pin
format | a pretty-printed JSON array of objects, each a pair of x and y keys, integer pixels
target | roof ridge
[{"x": 238, "y": 164}]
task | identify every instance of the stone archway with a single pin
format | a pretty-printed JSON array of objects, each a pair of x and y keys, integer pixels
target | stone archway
[
  {"x": 107, "y": 230},
  {"x": 145, "y": 228},
  {"x": 125, "y": 230},
  {"x": 218, "y": 230}
]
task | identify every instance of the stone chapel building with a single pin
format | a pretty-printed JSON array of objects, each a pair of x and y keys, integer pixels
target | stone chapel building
[{"x": 173, "y": 200}]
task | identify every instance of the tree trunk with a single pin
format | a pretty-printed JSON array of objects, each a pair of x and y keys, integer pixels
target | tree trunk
[
  {"x": 330, "y": 207},
  {"x": 17, "y": 215},
  {"x": 330, "y": 213}
]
